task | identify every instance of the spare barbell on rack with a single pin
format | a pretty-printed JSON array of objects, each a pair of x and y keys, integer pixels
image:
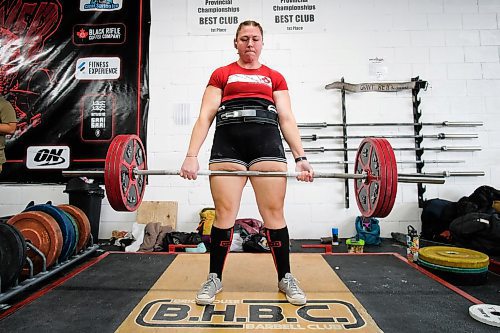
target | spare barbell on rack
[
  {"x": 442, "y": 123},
  {"x": 375, "y": 176}
]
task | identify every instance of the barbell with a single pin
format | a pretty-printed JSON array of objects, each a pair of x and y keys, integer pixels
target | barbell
[{"x": 375, "y": 176}]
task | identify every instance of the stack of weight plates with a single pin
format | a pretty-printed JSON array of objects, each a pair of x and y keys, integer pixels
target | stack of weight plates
[
  {"x": 57, "y": 232},
  {"x": 12, "y": 255},
  {"x": 454, "y": 264},
  {"x": 82, "y": 222}
]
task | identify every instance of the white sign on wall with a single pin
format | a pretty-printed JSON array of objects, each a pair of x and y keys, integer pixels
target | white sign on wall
[
  {"x": 216, "y": 17},
  {"x": 289, "y": 16}
]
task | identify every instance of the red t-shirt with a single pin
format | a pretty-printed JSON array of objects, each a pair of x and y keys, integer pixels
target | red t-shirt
[{"x": 238, "y": 82}]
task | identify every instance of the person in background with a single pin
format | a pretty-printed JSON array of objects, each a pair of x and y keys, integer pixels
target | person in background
[
  {"x": 251, "y": 105},
  {"x": 8, "y": 124}
]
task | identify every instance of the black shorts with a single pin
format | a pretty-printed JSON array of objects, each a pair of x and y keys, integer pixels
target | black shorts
[{"x": 247, "y": 143}]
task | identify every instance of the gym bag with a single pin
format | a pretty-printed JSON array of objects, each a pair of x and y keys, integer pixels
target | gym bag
[{"x": 368, "y": 230}]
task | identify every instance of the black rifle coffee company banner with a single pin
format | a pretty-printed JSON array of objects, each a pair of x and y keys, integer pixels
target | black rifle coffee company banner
[{"x": 76, "y": 73}]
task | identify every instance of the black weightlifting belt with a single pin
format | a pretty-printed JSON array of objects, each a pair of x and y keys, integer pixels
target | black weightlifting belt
[{"x": 234, "y": 115}]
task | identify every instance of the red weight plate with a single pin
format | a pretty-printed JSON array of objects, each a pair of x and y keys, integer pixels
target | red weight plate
[
  {"x": 392, "y": 180},
  {"x": 110, "y": 178},
  {"x": 381, "y": 173},
  {"x": 112, "y": 173},
  {"x": 387, "y": 196},
  {"x": 360, "y": 188},
  {"x": 114, "y": 196},
  {"x": 386, "y": 172},
  {"x": 83, "y": 225},
  {"x": 132, "y": 187},
  {"x": 368, "y": 160},
  {"x": 117, "y": 165},
  {"x": 137, "y": 160},
  {"x": 41, "y": 230}
]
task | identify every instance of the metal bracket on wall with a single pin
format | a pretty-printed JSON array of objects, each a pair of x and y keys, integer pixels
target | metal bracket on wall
[{"x": 417, "y": 113}]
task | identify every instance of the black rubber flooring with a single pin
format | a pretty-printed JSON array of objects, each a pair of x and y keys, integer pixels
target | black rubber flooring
[
  {"x": 97, "y": 299},
  {"x": 402, "y": 299}
]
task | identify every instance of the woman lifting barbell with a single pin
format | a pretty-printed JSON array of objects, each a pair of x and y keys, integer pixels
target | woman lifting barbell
[{"x": 250, "y": 103}]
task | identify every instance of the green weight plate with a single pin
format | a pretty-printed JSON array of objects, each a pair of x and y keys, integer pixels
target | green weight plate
[
  {"x": 77, "y": 232},
  {"x": 458, "y": 270}
]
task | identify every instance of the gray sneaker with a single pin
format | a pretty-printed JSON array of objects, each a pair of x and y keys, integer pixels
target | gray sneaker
[
  {"x": 294, "y": 294},
  {"x": 208, "y": 290}
]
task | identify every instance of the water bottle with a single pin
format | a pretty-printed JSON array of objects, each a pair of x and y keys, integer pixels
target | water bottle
[{"x": 412, "y": 244}]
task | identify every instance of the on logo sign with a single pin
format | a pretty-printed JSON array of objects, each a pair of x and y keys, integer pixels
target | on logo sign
[{"x": 48, "y": 157}]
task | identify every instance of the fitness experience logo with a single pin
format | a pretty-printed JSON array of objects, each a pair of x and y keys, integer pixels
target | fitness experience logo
[
  {"x": 100, "y": 5},
  {"x": 47, "y": 157},
  {"x": 97, "y": 68},
  {"x": 88, "y": 34},
  {"x": 250, "y": 314}
]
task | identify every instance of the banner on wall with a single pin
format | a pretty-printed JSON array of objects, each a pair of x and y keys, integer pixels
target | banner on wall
[{"x": 76, "y": 73}]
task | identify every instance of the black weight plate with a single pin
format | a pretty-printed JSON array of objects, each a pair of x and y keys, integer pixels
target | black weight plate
[
  {"x": 22, "y": 249},
  {"x": 12, "y": 253},
  {"x": 67, "y": 229}
]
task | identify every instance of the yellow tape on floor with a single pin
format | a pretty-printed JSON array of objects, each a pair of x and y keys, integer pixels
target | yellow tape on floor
[{"x": 250, "y": 299}]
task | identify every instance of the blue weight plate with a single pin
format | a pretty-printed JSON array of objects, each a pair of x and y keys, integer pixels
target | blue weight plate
[
  {"x": 75, "y": 226},
  {"x": 67, "y": 229}
]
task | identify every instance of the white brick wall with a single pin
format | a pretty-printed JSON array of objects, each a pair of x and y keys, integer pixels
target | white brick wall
[{"x": 453, "y": 44}]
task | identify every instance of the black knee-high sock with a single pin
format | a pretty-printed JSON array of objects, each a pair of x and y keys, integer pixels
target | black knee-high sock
[
  {"x": 220, "y": 243},
  {"x": 279, "y": 243}
]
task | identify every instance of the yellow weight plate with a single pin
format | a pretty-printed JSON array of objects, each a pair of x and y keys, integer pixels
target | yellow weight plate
[{"x": 453, "y": 257}]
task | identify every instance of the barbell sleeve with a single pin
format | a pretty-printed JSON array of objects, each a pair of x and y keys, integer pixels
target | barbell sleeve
[
  {"x": 421, "y": 180},
  {"x": 460, "y": 123}
]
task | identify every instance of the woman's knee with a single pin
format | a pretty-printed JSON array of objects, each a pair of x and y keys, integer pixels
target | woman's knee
[
  {"x": 272, "y": 213},
  {"x": 225, "y": 216}
]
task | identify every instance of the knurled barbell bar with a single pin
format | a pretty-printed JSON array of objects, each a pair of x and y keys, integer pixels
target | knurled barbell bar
[{"x": 375, "y": 175}]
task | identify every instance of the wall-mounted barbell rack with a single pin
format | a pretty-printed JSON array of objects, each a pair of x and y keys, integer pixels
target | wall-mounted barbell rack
[{"x": 415, "y": 85}]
